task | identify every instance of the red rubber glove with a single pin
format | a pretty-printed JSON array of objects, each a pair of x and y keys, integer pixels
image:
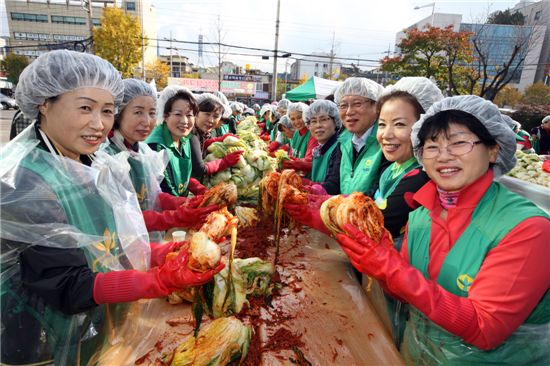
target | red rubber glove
[
  {"x": 186, "y": 216},
  {"x": 273, "y": 146},
  {"x": 298, "y": 164},
  {"x": 132, "y": 285},
  {"x": 196, "y": 187},
  {"x": 309, "y": 214},
  {"x": 265, "y": 137},
  {"x": 170, "y": 202},
  {"x": 383, "y": 262},
  {"x": 261, "y": 125},
  {"x": 160, "y": 250},
  {"x": 221, "y": 164},
  {"x": 216, "y": 139}
]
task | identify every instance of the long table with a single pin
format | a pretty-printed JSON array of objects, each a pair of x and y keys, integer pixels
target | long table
[{"x": 321, "y": 300}]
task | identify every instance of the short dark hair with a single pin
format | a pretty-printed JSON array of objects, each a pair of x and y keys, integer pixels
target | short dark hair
[
  {"x": 439, "y": 124},
  {"x": 184, "y": 95},
  {"x": 404, "y": 96},
  {"x": 208, "y": 105}
]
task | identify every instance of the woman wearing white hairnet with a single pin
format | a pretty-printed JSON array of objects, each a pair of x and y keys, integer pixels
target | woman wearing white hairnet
[
  {"x": 324, "y": 122},
  {"x": 474, "y": 261},
  {"x": 133, "y": 123},
  {"x": 73, "y": 238},
  {"x": 358, "y": 159},
  {"x": 210, "y": 113},
  {"x": 176, "y": 112}
]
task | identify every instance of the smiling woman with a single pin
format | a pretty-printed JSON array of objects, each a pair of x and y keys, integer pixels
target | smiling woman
[
  {"x": 74, "y": 246},
  {"x": 468, "y": 234},
  {"x": 177, "y": 109}
]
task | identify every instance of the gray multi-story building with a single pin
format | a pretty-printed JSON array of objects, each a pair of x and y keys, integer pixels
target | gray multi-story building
[{"x": 36, "y": 26}]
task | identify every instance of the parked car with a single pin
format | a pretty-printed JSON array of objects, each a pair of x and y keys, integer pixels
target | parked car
[{"x": 8, "y": 102}]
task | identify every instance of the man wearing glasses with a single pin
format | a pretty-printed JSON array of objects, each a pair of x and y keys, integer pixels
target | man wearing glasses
[{"x": 356, "y": 162}]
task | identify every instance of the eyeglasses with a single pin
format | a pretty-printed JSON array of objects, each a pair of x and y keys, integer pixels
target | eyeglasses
[
  {"x": 455, "y": 149},
  {"x": 353, "y": 105},
  {"x": 321, "y": 121}
]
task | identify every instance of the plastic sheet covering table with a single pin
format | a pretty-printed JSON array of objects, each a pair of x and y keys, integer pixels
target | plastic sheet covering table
[
  {"x": 321, "y": 300},
  {"x": 537, "y": 194}
]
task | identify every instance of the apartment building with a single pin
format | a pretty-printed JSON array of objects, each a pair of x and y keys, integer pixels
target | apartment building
[{"x": 34, "y": 24}]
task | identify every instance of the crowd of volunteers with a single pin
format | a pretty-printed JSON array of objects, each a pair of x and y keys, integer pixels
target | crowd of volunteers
[{"x": 89, "y": 189}]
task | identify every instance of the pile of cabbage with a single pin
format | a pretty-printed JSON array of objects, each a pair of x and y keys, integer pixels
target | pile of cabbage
[
  {"x": 254, "y": 162},
  {"x": 529, "y": 169}
]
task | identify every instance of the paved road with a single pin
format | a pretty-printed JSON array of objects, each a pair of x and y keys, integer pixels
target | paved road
[{"x": 5, "y": 124}]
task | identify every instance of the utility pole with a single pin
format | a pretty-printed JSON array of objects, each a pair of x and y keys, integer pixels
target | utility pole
[
  {"x": 331, "y": 58},
  {"x": 274, "y": 81}
]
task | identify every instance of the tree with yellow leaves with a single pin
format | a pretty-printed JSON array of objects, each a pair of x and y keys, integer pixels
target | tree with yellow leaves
[
  {"x": 118, "y": 40},
  {"x": 159, "y": 71}
]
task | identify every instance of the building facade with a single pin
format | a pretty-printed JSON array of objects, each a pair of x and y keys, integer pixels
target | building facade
[
  {"x": 497, "y": 41},
  {"x": 317, "y": 64},
  {"x": 36, "y": 26}
]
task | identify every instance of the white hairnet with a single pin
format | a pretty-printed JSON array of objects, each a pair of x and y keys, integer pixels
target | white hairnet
[
  {"x": 225, "y": 102},
  {"x": 297, "y": 107},
  {"x": 362, "y": 87},
  {"x": 58, "y": 72},
  {"x": 498, "y": 125},
  {"x": 208, "y": 97},
  {"x": 236, "y": 107},
  {"x": 165, "y": 95},
  {"x": 265, "y": 108},
  {"x": 134, "y": 88},
  {"x": 545, "y": 119},
  {"x": 256, "y": 106},
  {"x": 323, "y": 107},
  {"x": 423, "y": 89},
  {"x": 283, "y": 104},
  {"x": 285, "y": 121},
  {"x": 248, "y": 111}
]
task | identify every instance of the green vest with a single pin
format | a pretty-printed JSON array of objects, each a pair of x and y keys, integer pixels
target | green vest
[
  {"x": 298, "y": 144},
  {"x": 139, "y": 178},
  {"x": 359, "y": 176},
  {"x": 427, "y": 343},
  {"x": 389, "y": 180},
  {"x": 320, "y": 164},
  {"x": 220, "y": 131},
  {"x": 344, "y": 136},
  {"x": 72, "y": 339},
  {"x": 179, "y": 159}
]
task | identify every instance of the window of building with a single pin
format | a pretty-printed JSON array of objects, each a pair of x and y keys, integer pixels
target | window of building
[
  {"x": 40, "y": 18},
  {"x": 130, "y": 5},
  {"x": 31, "y": 36},
  {"x": 96, "y": 22},
  {"x": 61, "y": 19},
  {"x": 315, "y": 73},
  {"x": 538, "y": 14}
]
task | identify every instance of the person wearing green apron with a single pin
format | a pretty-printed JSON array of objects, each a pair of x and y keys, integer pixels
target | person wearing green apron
[
  {"x": 473, "y": 263},
  {"x": 323, "y": 121},
  {"x": 133, "y": 123},
  {"x": 267, "y": 121},
  {"x": 176, "y": 111},
  {"x": 399, "y": 107},
  {"x": 74, "y": 244},
  {"x": 284, "y": 134},
  {"x": 301, "y": 143},
  {"x": 210, "y": 112},
  {"x": 357, "y": 160}
]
